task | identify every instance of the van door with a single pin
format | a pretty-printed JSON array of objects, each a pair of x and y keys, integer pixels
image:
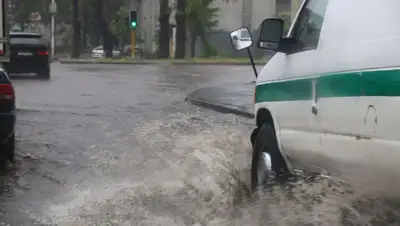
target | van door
[{"x": 300, "y": 130}]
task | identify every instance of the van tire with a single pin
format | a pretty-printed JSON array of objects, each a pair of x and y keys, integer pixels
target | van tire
[
  {"x": 253, "y": 137},
  {"x": 265, "y": 142}
]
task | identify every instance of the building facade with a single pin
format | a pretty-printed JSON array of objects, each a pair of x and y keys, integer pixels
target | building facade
[{"x": 232, "y": 15}]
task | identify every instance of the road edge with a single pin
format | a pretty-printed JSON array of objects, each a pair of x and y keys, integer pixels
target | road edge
[
  {"x": 218, "y": 107},
  {"x": 144, "y": 62}
]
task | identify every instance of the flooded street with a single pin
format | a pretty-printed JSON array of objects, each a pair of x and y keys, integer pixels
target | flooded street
[{"x": 117, "y": 145}]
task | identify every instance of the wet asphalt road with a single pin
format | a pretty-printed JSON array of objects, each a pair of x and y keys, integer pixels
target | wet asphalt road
[
  {"x": 95, "y": 132},
  {"x": 117, "y": 145}
]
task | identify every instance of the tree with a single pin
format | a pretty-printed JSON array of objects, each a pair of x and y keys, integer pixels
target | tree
[
  {"x": 119, "y": 26},
  {"x": 85, "y": 23},
  {"x": 180, "y": 17},
  {"x": 105, "y": 32},
  {"x": 92, "y": 27},
  {"x": 163, "y": 37},
  {"x": 198, "y": 17},
  {"x": 201, "y": 18},
  {"x": 101, "y": 17},
  {"x": 76, "y": 40},
  {"x": 20, "y": 10}
]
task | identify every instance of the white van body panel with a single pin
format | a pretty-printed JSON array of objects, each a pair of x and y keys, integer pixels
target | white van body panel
[{"x": 355, "y": 69}]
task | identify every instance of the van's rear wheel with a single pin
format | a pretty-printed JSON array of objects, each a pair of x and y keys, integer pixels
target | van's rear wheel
[{"x": 267, "y": 161}]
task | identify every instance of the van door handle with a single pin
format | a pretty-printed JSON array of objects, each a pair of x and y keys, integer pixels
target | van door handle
[{"x": 314, "y": 108}]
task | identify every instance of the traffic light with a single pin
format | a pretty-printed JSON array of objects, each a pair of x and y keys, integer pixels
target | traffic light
[{"x": 133, "y": 22}]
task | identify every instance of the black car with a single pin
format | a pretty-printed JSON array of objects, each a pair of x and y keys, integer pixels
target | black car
[
  {"x": 29, "y": 54},
  {"x": 7, "y": 118}
]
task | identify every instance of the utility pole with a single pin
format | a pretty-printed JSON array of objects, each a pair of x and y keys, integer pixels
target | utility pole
[{"x": 53, "y": 11}]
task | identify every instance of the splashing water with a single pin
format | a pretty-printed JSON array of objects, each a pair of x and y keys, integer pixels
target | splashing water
[{"x": 196, "y": 173}]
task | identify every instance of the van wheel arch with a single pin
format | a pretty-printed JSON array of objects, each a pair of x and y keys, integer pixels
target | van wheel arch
[{"x": 263, "y": 117}]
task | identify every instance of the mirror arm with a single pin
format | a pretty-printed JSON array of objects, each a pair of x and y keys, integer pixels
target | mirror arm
[
  {"x": 285, "y": 45},
  {"x": 252, "y": 62}
]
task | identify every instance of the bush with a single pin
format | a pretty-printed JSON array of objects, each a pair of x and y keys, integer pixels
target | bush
[{"x": 210, "y": 51}]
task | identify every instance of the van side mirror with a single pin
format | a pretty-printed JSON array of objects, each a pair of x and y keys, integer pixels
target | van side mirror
[
  {"x": 241, "y": 39},
  {"x": 271, "y": 34}
]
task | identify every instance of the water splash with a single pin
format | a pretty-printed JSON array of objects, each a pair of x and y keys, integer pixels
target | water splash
[{"x": 196, "y": 173}]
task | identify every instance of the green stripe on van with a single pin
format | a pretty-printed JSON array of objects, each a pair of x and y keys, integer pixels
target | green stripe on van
[{"x": 349, "y": 84}]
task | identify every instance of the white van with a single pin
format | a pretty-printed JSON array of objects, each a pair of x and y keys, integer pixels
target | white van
[{"x": 329, "y": 99}]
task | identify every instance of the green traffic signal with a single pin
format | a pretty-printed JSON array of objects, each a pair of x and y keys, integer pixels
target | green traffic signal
[{"x": 133, "y": 19}]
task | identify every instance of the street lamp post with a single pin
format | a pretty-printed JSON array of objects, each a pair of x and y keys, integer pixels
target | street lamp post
[{"x": 53, "y": 11}]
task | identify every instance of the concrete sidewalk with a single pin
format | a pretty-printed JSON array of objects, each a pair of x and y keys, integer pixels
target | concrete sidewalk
[{"x": 236, "y": 99}]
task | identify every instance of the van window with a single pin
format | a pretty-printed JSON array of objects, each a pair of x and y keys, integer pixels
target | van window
[{"x": 308, "y": 26}]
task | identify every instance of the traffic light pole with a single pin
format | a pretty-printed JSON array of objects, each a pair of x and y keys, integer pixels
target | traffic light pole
[{"x": 133, "y": 43}]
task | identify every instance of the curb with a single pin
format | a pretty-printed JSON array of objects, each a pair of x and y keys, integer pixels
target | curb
[
  {"x": 217, "y": 63},
  {"x": 102, "y": 62},
  {"x": 219, "y": 107},
  {"x": 157, "y": 62}
]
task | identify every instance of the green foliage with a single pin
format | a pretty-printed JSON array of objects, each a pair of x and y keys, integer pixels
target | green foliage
[
  {"x": 113, "y": 14},
  {"x": 210, "y": 51},
  {"x": 119, "y": 26},
  {"x": 201, "y": 17},
  {"x": 111, "y": 8},
  {"x": 21, "y": 10},
  {"x": 225, "y": 54}
]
